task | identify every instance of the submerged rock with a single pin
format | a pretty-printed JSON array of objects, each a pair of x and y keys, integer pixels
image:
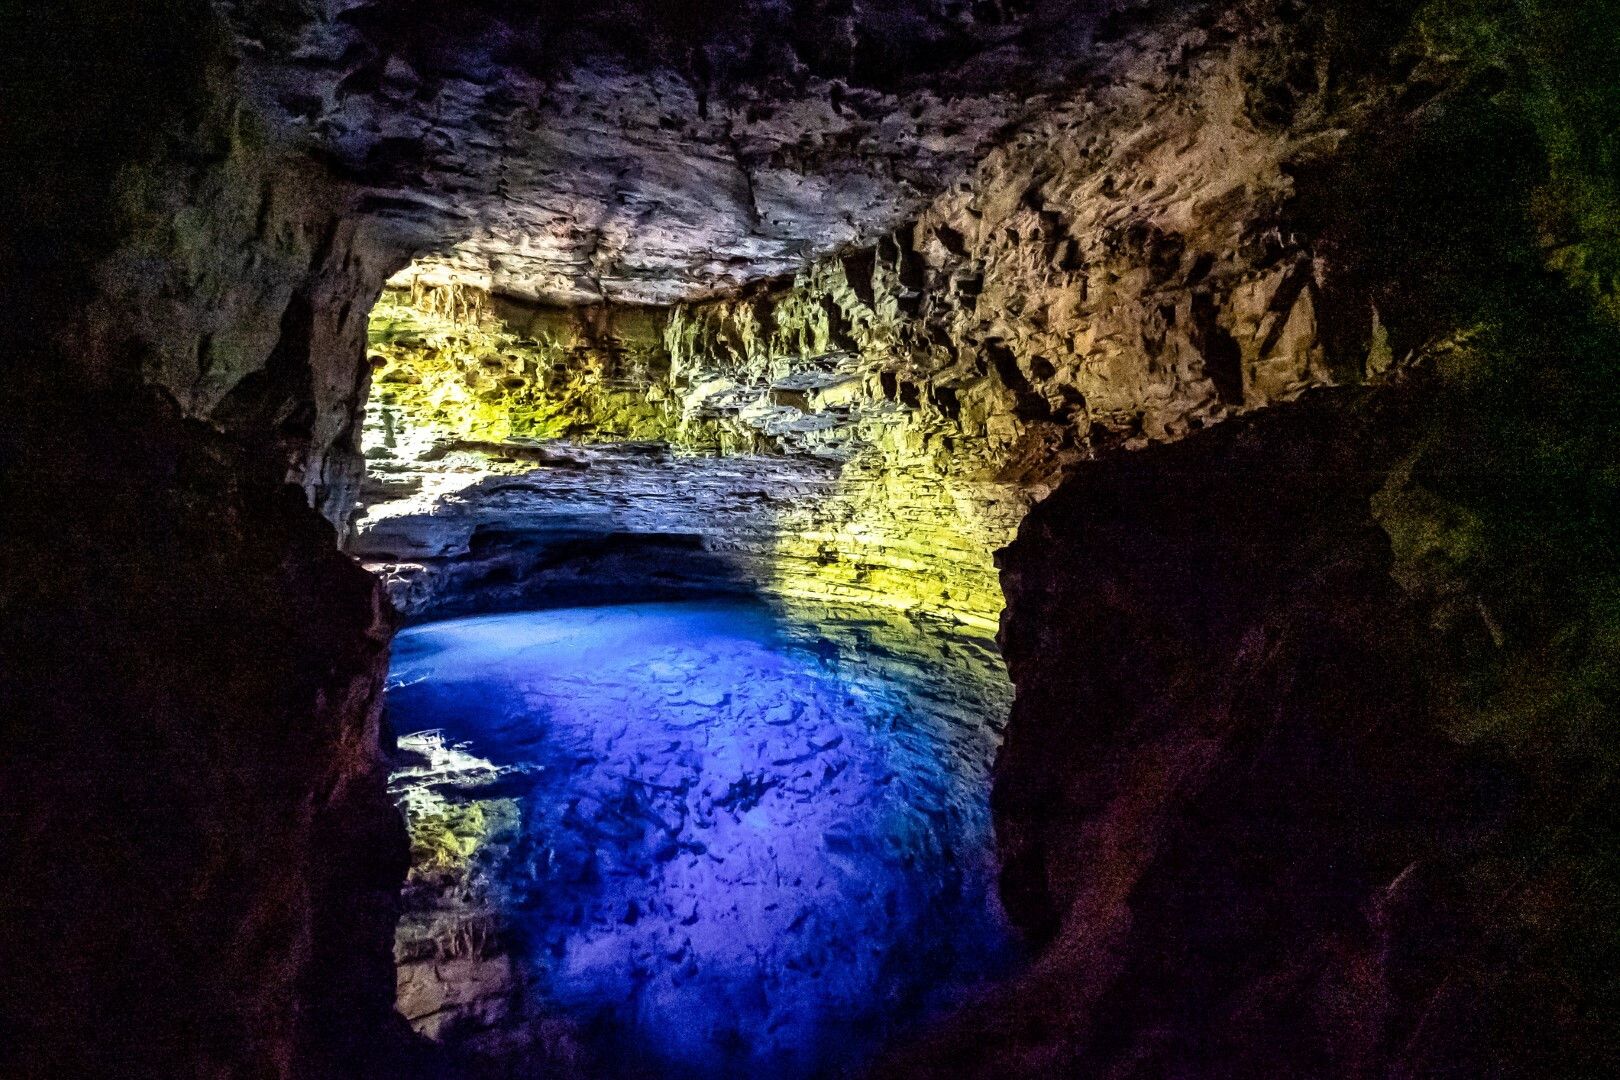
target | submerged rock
[{"x": 693, "y": 845}]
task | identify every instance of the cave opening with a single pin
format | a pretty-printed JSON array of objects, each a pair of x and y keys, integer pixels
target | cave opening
[{"x": 695, "y": 764}]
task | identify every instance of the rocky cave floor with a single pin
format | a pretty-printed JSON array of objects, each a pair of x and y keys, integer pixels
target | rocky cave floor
[{"x": 692, "y": 839}]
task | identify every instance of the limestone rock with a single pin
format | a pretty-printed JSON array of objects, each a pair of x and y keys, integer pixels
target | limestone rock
[{"x": 630, "y": 152}]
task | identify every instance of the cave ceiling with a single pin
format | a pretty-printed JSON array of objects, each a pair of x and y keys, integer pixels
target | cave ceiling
[{"x": 641, "y": 151}]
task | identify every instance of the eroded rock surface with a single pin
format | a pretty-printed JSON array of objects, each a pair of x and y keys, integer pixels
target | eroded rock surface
[
  {"x": 1126, "y": 268},
  {"x": 194, "y": 765},
  {"x": 1227, "y": 204},
  {"x": 589, "y": 525},
  {"x": 1265, "y": 847},
  {"x": 192, "y": 673},
  {"x": 636, "y": 153}
]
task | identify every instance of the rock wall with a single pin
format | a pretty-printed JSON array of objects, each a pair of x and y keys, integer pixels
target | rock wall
[
  {"x": 206, "y": 865},
  {"x": 627, "y": 151},
  {"x": 1307, "y": 772},
  {"x": 1125, "y": 269},
  {"x": 558, "y": 527},
  {"x": 1306, "y": 819},
  {"x": 1242, "y": 862},
  {"x": 207, "y": 869},
  {"x": 1237, "y": 205},
  {"x": 470, "y": 385},
  {"x": 454, "y": 364},
  {"x": 188, "y": 248}
]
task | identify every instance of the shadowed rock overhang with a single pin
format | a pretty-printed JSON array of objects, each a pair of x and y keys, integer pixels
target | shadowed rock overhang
[{"x": 644, "y": 152}]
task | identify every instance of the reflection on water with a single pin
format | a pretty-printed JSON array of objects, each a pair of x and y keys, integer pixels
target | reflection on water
[{"x": 691, "y": 839}]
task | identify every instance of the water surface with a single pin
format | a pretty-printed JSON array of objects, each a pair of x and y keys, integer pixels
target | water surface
[{"x": 712, "y": 842}]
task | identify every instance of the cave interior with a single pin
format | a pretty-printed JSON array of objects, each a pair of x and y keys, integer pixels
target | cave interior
[{"x": 811, "y": 538}]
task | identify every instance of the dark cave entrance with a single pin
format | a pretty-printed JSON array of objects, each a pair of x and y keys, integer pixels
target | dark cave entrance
[{"x": 677, "y": 806}]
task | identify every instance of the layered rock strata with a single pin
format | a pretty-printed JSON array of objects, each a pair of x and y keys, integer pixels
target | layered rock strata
[
  {"x": 796, "y": 474},
  {"x": 1077, "y": 293},
  {"x": 631, "y": 152},
  {"x": 581, "y": 524},
  {"x": 1333, "y": 777}
]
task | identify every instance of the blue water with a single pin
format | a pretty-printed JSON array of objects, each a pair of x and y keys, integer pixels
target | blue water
[{"x": 740, "y": 851}]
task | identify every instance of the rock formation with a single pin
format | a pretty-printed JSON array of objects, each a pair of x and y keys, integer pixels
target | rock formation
[
  {"x": 1275, "y": 338},
  {"x": 1071, "y": 296},
  {"x": 192, "y": 672},
  {"x": 629, "y": 152}
]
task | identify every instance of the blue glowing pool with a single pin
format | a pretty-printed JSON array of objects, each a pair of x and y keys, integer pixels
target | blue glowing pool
[{"x": 692, "y": 840}]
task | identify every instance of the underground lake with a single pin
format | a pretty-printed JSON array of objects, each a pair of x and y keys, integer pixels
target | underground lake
[{"x": 703, "y": 838}]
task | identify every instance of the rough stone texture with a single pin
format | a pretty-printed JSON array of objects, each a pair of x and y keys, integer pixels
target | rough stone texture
[
  {"x": 1196, "y": 859},
  {"x": 588, "y": 525},
  {"x": 1121, "y": 271},
  {"x": 455, "y": 363},
  {"x": 798, "y": 471},
  {"x": 1236, "y": 202},
  {"x": 1308, "y": 768},
  {"x": 634, "y": 152},
  {"x": 206, "y": 859},
  {"x": 199, "y": 252},
  {"x": 1232, "y": 802},
  {"x": 192, "y": 689},
  {"x": 1130, "y": 266}
]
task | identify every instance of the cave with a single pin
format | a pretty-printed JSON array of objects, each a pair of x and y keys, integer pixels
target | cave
[
  {"x": 693, "y": 733},
  {"x": 810, "y": 538},
  {"x": 698, "y": 696}
]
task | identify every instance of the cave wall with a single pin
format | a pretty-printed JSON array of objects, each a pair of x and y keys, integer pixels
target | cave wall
[
  {"x": 1238, "y": 206},
  {"x": 1295, "y": 783},
  {"x": 627, "y": 151},
  {"x": 456, "y": 365},
  {"x": 1123, "y": 270},
  {"x": 205, "y": 860},
  {"x": 1309, "y": 767},
  {"x": 1127, "y": 268}
]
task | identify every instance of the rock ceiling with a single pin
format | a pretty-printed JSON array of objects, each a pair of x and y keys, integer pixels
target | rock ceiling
[{"x": 641, "y": 151}]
